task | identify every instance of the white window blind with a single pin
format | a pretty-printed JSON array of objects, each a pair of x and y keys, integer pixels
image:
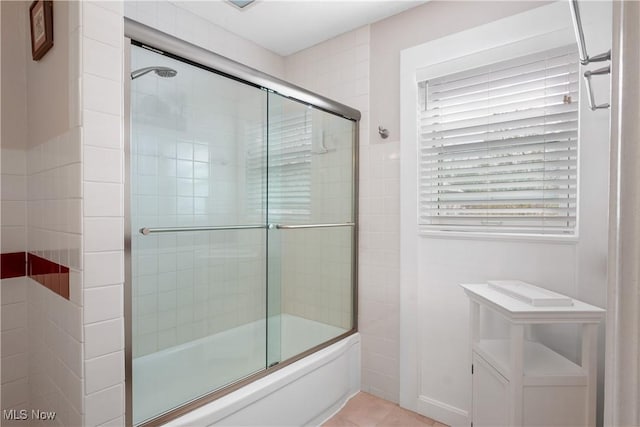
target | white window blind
[
  {"x": 289, "y": 172},
  {"x": 499, "y": 147}
]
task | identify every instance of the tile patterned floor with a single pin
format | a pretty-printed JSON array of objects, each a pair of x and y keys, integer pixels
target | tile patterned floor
[{"x": 366, "y": 410}]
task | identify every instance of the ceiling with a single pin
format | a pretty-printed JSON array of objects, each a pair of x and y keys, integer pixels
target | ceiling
[{"x": 286, "y": 27}]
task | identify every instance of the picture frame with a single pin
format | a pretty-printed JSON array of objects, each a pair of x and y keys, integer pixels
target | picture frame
[{"x": 41, "y": 23}]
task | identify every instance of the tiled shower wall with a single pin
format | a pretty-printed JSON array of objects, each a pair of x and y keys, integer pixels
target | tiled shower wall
[
  {"x": 100, "y": 102},
  {"x": 189, "y": 170},
  {"x": 54, "y": 234},
  {"x": 15, "y": 387},
  {"x": 339, "y": 69},
  {"x": 315, "y": 264},
  {"x": 72, "y": 191}
]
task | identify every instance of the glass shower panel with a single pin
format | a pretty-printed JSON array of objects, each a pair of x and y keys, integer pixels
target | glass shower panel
[
  {"x": 198, "y": 187},
  {"x": 311, "y": 208}
]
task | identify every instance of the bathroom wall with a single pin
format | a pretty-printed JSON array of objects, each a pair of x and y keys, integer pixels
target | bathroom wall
[
  {"x": 340, "y": 69},
  {"x": 14, "y": 348},
  {"x": 65, "y": 322},
  {"x": 373, "y": 54},
  {"x": 54, "y": 227},
  {"x": 100, "y": 109},
  {"x": 344, "y": 68},
  {"x": 435, "y": 309},
  {"x": 27, "y": 125},
  {"x": 337, "y": 69}
]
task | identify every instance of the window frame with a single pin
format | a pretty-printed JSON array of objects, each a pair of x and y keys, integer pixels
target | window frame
[
  {"x": 430, "y": 217},
  {"x": 455, "y": 60}
]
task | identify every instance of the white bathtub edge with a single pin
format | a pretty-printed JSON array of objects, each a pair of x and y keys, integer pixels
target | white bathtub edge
[{"x": 242, "y": 403}]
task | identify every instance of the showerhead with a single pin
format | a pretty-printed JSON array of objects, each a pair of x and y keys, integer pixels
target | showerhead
[{"x": 160, "y": 71}]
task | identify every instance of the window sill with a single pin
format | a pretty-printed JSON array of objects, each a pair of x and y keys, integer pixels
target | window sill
[{"x": 514, "y": 237}]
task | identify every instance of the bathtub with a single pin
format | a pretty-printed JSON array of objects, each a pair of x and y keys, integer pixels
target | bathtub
[{"x": 306, "y": 392}]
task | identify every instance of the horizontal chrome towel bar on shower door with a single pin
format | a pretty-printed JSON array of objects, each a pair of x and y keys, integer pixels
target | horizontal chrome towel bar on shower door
[
  {"x": 295, "y": 227},
  {"x": 146, "y": 230}
]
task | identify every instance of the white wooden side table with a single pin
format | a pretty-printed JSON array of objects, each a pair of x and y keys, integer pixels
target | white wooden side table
[{"x": 517, "y": 382}]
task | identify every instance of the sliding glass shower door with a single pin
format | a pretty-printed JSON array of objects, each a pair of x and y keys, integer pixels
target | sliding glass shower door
[
  {"x": 310, "y": 209},
  {"x": 242, "y": 231},
  {"x": 198, "y": 213}
]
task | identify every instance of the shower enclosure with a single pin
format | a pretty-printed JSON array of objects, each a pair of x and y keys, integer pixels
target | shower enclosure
[{"x": 241, "y": 222}]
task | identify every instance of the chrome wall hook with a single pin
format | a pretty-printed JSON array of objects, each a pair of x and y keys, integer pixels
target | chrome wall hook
[{"x": 384, "y": 133}]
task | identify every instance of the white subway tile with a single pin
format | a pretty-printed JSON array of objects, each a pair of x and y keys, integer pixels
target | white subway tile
[
  {"x": 103, "y": 165},
  {"x": 103, "y": 268},
  {"x": 74, "y": 393},
  {"x": 103, "y": 338},
  {"x": 15, "y": 393},
  {"x": 104, "y": 371},
  {"x": 14, "y": 290},
  {"x": 14, "y": 342},
  {"x": 102, "y": 303},
  {"x": 14, "y": 187},
  {"x": 103, "y": 199},
  {"x": 72, "y": 215},
  {"x": 14, "y": 316},
  {"x": 72, "y": 353},
  {"x": 115, "y": 6},
  {"x": 73, "y": 322},
  {"x": 13, "y": 239},
  {"x": 102, "y": 59},
  {"x": 101, "y": 24},
  {"x": 100, "y": 94},
  {"x": 74, "y": 243},
  {"x": 75, "y": 289},
  {"x": 14, "y": 367},
  {"x": 102, "y": 129},
  {"x": 104, "y": 405},
  {"x": 103, "y": 234},
  {"x": 167, "y": 17}
]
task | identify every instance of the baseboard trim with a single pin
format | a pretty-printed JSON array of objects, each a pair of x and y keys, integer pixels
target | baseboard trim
[{"x": 442, "y": 412}]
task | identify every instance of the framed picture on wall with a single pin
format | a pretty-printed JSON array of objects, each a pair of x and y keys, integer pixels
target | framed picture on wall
[{"x": 41, "y": 19}]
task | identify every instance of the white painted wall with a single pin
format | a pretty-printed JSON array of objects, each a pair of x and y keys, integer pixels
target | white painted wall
[{"x": 435, "y": 375}]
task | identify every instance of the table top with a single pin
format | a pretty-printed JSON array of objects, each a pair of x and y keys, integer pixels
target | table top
[{"x": 519, "y": 311}]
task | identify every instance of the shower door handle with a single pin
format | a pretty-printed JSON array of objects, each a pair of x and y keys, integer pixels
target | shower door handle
[
  {"x": 147, "y": 230},
  {"x": 295, "y": 227}
]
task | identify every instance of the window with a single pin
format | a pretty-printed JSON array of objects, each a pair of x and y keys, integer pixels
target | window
[
  {"x": 498, "y": 147},
  {"x": 289, "y": 170}
]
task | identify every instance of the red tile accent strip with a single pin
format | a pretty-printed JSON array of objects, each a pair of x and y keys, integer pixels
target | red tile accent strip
[
  {"x": 13, "y": 265},
  {"x": 49, "y": 274}
]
